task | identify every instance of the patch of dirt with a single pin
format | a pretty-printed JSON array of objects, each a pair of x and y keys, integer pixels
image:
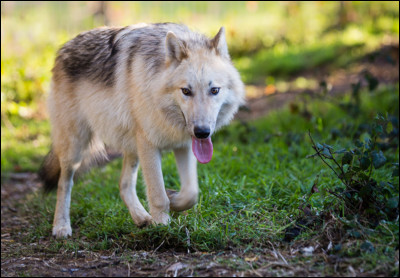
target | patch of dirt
[{"x": 21, "y": 258}]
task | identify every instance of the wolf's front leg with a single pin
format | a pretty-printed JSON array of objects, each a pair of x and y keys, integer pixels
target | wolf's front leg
[
  {"x": 127, "y": 188},
  {"x": 150, "y": 160},
  {"x": 187, "y": 168}
]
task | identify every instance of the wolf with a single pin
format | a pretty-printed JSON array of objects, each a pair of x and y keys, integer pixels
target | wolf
[{"x": 140, "y": 89}]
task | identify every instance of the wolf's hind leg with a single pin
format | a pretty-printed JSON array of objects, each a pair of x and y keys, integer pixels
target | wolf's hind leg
[
  {"x": 186, "y": 198},
  {"x": 70, "y": 157},
  {"x": 127, "y": 187},
  {"x": 62, "y": 223},
  {"x": 71, "y": 138}
]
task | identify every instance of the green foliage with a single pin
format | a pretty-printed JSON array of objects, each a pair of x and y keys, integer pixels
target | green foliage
[
  {"x": 268, "y": 39},
  {"x": 362, "y": 194},
  {"x": 359, "y": 153},
  {"x": 285, "y": 60},
  {"x": 23, "y": 144},
  {"x": 259, "y": 193},
  {"x": 259, "y": 187}
]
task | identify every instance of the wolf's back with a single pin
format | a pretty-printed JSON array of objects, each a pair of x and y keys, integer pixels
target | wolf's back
[{"x": 96, "y": 54}]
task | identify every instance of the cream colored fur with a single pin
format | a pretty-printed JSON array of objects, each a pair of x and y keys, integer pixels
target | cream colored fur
[{"x": 139, "y": 116}]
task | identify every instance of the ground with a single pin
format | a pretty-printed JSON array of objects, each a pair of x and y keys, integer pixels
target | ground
[
  {"x": 21, "y": 258},
  {"x": 36, "y": 259}
]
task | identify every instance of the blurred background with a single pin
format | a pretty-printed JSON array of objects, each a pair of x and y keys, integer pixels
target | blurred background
[
  {"x": 322, "y": 70},
  {"x": 280, "y": 48}
]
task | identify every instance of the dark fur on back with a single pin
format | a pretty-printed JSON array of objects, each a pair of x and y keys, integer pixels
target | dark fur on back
[
  {"x": 49, "y": 172},
  {"x": 91, "y": 55},
  {"x": 94, "y": 55}
]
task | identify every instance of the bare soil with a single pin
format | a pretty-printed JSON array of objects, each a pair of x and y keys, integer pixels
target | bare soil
[{"x": 19, "y": 258}]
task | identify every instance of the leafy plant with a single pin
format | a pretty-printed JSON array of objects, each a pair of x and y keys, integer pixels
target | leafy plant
[{"x": 360, "y": 192}]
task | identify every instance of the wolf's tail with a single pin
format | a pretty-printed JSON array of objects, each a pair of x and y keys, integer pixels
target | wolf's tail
[
  {"x": 49, "y": 172},
  {"x": 50, "y": 169}
]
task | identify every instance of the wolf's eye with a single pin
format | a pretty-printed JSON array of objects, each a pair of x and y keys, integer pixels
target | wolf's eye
[
  {"x": 186, "y": 91},
  {"x": 214, "y": 90}
]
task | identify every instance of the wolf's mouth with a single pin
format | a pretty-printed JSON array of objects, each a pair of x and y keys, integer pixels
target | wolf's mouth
[{"x": 202, "y": 149}]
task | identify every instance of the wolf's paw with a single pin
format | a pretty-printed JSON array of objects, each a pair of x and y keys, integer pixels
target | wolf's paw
[
  {"x": 62, "y": 231},
  {"x": 160, "y": 218},
  {"x": 171, "y": 193},
  {"x": 180, "y": 201},
  {"x": 144, "y": 222},
  {"x": 141, "y": 217}
]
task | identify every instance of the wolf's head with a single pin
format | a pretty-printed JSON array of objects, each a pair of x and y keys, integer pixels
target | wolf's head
[{"x": 204, "y": 84}]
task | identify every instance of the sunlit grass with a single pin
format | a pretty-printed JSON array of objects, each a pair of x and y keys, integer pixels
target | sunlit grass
[
  {"x": 23, "y": 145},
  {"x": 265, "y": 39},
  {"x": 249, "y": 193}
]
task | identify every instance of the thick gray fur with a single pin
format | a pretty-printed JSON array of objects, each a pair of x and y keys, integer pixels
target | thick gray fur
[{"x": 94, "y": 54}]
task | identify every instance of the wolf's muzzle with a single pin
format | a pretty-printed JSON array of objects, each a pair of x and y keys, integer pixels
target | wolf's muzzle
[{"x": 201, "y": 132}]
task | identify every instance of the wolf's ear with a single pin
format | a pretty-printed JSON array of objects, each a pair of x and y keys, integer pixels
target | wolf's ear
[
  {"x": 219, "y": 43},
  {"x": 175, "y": 48}
]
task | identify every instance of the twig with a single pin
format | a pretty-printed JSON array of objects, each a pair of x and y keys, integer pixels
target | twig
[
  {"x": 337, "y": 164},
  {"x": 370, "y": 169},
  {"x": 319, "y": 154},
  {"x": 336, "y": 195},
  {"x": 155, "y": 250},
  {"x": 188, "y": 239},
  {"x": 341, "y": 179}
]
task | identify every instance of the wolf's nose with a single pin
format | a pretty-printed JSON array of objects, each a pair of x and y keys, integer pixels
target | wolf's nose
[{"x": 201, "y": 132}]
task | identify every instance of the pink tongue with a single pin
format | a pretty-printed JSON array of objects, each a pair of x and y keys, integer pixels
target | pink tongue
[{"x": 202, "y": 149}]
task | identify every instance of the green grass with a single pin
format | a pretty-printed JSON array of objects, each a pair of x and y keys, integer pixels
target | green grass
[
  {"x": 249, "y": 193},
  {"x": 268, "y": 40},
  {"x": 23, "y": 144},
  {"x": 284, "y": 61}
]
